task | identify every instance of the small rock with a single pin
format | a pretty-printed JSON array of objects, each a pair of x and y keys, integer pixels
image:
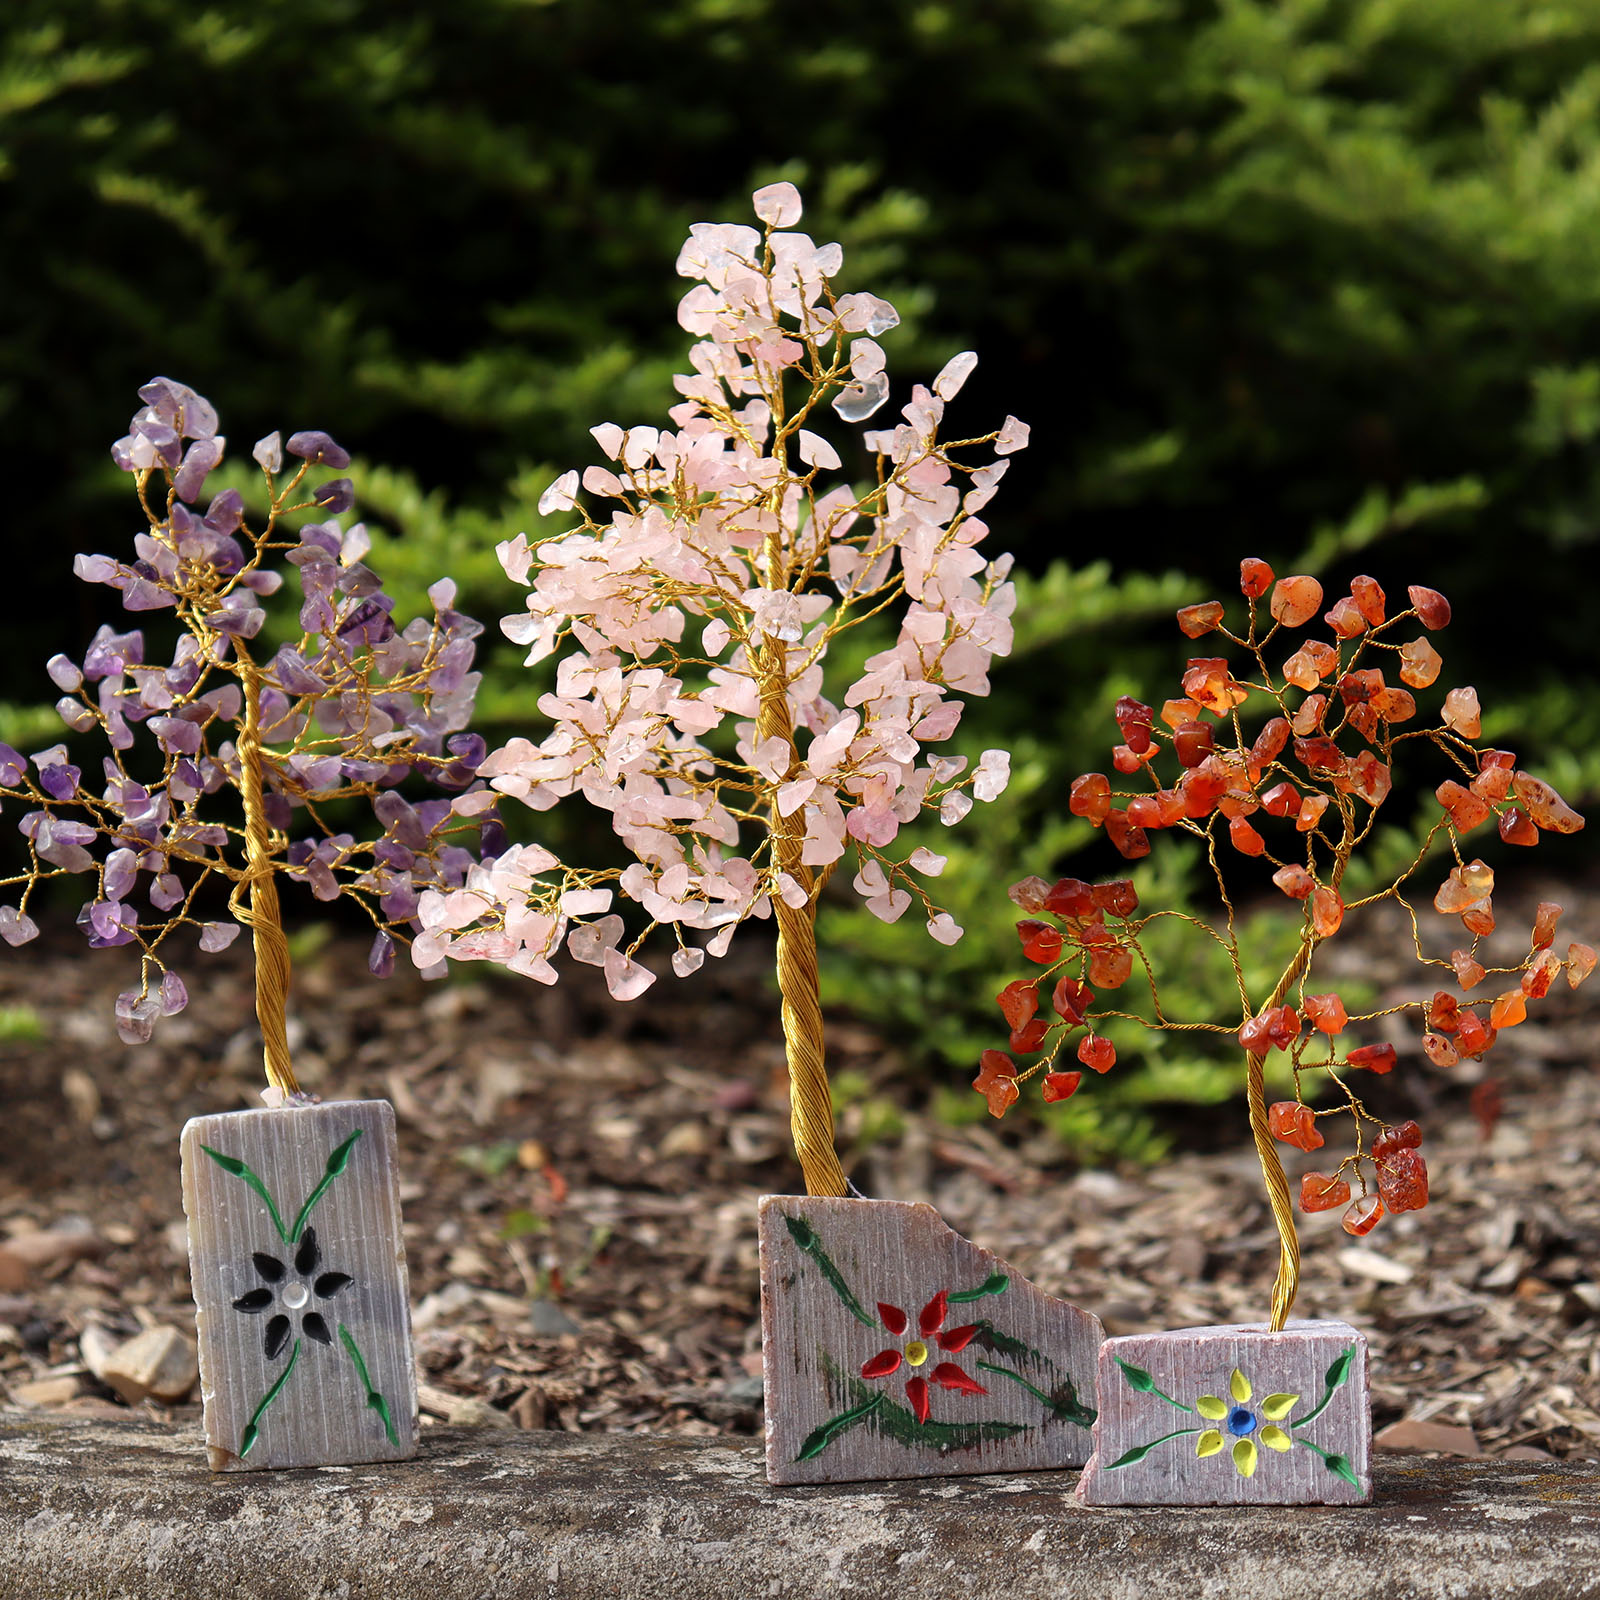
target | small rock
[
  {"x": 1526, "y": 1452},
  {"x": 82, "y": 1095},
  {"x": 1125, "y": 1316},
  {"x": 1361, "y": 1262},
  {"x": 97, "y": 1347},
  {"x": 469, "y": 1262},
  {"x": 685, "y": 1139},
  {"x": 472, "y": 1412},
  {"x": 442, "y": 1304},
  {"x": 505, "y": 1310},
  {"x": 745, "y": 1392},
  {"x": 28, "y": 1255},
  {"x": 1443, "y": 1437},
  {"x": 549, "y": 1321},
  {"x": 45, "y": 1392},
  {"x": 88, "y": 1405},
  {"x": 736, "y": 1094},
  {"x": 531, "y": 1409},
  {"x": 158, "y": 1363},
  {"x": 1582, "y": 1302}
]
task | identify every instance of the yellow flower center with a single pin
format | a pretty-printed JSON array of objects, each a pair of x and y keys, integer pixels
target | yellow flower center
[{"x": 916, "y": 1353}]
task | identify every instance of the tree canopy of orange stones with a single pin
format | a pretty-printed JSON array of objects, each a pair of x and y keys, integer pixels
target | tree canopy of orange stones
[{"x": 1282, "y": 772}]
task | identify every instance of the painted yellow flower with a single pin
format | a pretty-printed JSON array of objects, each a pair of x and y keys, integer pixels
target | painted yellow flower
[{"x": 1244, "y": 1424}]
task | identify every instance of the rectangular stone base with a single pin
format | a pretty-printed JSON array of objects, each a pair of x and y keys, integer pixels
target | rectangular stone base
[
  {"x": 300, "y": 1288},
  {"x": 894, "y": 1348},
  {"x": 1232, "y": 1415}
]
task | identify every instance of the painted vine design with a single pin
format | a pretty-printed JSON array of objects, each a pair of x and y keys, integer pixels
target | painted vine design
[
  {"x": 308, "y": 1257},
  {"x": 915, "y": 1344},
  {"x": 1249, "y": 1423}
]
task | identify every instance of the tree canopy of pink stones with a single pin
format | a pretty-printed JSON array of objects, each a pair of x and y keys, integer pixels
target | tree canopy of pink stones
[{"x": 711, "y": 566}]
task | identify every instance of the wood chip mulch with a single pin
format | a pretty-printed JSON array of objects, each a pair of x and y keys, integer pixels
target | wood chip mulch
[{"x": 582, "y": 1181}]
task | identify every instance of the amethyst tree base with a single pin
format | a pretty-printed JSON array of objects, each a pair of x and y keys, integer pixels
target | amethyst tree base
[
  {"x": 1232, "y": 1415},
  {"x": 894, "y": 1348},
  {"x": 300, "y": 1286}
]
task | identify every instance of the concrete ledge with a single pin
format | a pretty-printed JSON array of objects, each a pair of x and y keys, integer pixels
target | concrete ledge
[{"x": 114, "y": 1510}]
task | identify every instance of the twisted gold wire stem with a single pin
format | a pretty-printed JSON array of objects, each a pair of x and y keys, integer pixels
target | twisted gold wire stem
[
  {"x": 1287, "y": 1284},
  {"x": 810, "y": 1100},
  {"x": 262, "y": 915}
]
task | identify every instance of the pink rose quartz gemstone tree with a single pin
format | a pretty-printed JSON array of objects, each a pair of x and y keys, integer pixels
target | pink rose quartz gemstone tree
[
  {"x": 701, "y": 701},
  {"x": 695, "y": 609}
]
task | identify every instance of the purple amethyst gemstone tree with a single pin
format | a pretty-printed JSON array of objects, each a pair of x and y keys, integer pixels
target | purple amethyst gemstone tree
[{"x": 347, "y": 711}]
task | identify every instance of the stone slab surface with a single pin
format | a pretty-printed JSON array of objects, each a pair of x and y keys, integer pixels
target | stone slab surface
[
  {"x": 894, "y": 1348},
  {"x": 1232, "y": 1415},
  {"x": 301, "y": 1303},
  {"x": 128, "y": 1511}
]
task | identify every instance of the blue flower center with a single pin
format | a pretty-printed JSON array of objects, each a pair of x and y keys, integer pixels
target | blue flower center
[{"x": 1241, "y": 1421}]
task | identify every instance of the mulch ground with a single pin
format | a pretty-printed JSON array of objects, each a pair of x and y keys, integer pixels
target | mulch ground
[{"x": 582, "y": 1182}]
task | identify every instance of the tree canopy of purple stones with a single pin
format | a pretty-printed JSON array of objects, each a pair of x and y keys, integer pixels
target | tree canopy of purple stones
[{"x": 348, "y": 710}]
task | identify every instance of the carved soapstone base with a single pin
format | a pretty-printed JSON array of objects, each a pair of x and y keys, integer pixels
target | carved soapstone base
[
  {"x": 302, "y": 1299},
  {"x": 1232, "y": 1415},
  {"x": 893, "y": 1348}
]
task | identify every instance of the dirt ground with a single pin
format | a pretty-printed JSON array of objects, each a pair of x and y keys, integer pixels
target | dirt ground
[{"x": 582, "y": 1180}]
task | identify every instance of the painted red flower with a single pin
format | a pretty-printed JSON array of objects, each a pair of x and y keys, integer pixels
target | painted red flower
[{"x": 915, "y": 1353}]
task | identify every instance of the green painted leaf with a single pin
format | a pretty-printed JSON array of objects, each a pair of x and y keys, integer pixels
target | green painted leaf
[
  {"x": 1334, "y": 1462},
  {"x": 800, "y": 1231},
  {"x": 995, "y": 1283},
  {"x": 1062, "y": 1403},
  {"x": 819, "y": 1439},
  {"x": 381, "y": 1406},
  {"x": 805, "y": 1236},
  {"x": 337, "y": 1162},
  {"x": 990, "y": 1338},
  {"x": 1140, "y": 1451},
  {"x": 897, "y": 1422},
  {"x": 374, "y": 1399},
  {"x": 242, "y": 1171},
  {"x": 1337, "y": 1373},
  {"x": 228, "y": 1163},
  {"x": 1141, "y": 1380},
  {"x": 340, "y": 1158}
]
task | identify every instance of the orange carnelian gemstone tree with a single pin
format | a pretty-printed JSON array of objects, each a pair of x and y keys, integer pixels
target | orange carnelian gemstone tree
[{"x": 1281, "y": 772}]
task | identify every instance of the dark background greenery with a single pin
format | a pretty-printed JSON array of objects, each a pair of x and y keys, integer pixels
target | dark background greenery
[{"x": 1316, "y": 280}]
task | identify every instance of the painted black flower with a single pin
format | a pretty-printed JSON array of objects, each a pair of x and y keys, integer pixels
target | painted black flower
[{"x": 292, "y": 1292}]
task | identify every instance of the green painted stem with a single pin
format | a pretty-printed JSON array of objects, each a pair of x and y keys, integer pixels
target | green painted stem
[{"x": 251, "y": 1431}]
